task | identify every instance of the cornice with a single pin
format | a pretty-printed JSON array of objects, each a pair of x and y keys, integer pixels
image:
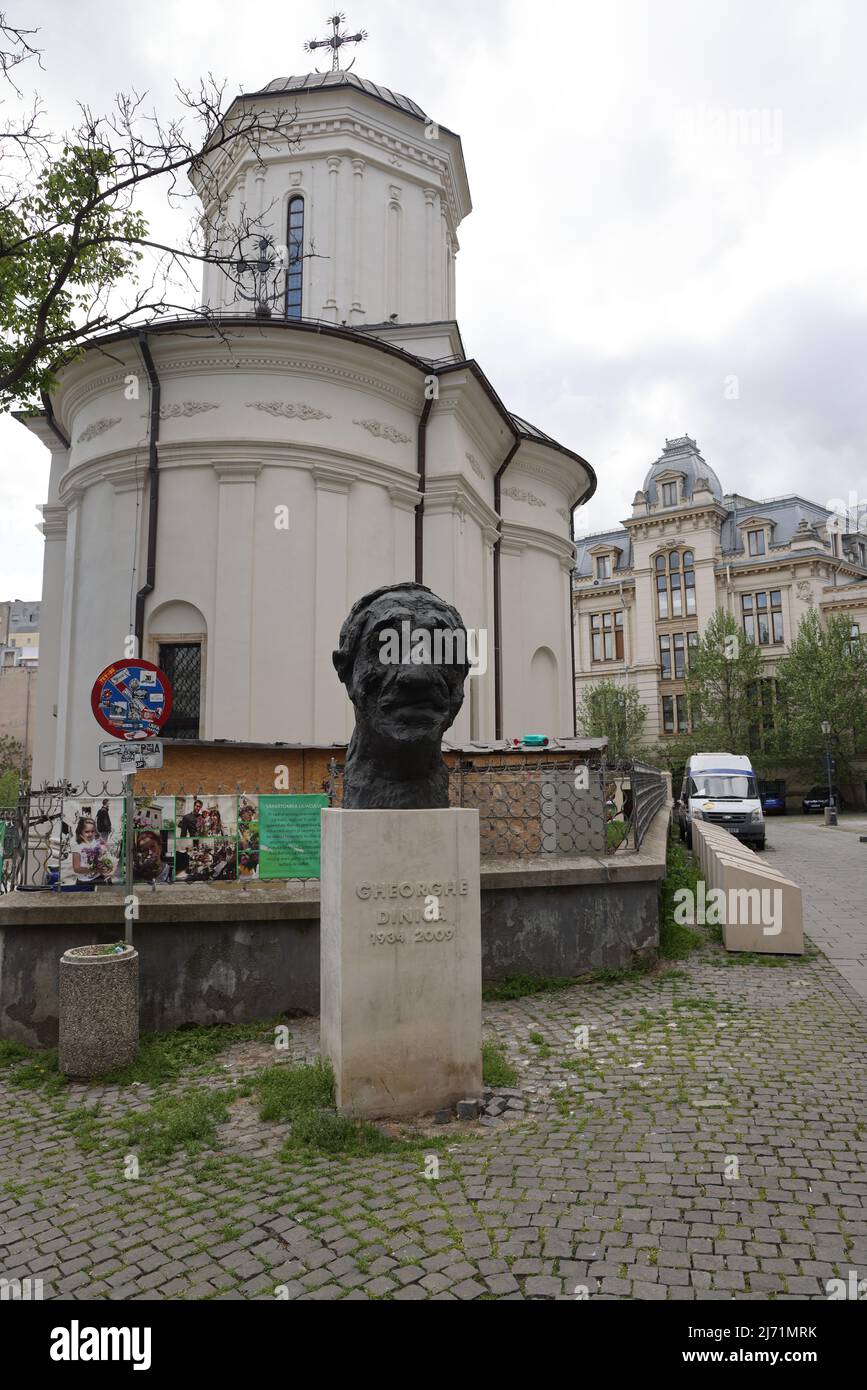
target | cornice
[
  {"x": 674, "y": 520},
  {"x": 383, "y": 148},
  {"x": 590, "y": 588},
  {"x": 53, "y": 523},
  {"x": 453, "y": 492},
  {"x": 125, "y": 465},
  {"x": 516, "y": 537},
  {"x": 39, "y": 426}
]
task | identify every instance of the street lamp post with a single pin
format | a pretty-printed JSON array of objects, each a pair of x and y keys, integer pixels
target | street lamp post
[{"x": 831, "y": 810}]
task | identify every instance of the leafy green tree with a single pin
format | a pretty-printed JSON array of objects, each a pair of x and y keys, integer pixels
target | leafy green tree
[
  {"x": 612, "y": 711},
  {"x": 721, "y": 682},
  {"x": 14, "y": 769},
  {"x": 76, "y": 257},
  {"x": 62, "y": 248},
  {"x": 822, "y": 677}
]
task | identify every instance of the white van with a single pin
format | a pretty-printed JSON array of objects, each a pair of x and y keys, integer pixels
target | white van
[{"x": 722, "y": 788}]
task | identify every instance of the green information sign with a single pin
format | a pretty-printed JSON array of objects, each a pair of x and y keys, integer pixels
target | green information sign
[{"x": 289, "y": 836}]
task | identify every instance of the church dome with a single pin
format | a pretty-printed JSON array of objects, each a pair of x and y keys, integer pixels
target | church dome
[
  {"x": 316, "y": 81},
  {"x": 681, "y": 456}
]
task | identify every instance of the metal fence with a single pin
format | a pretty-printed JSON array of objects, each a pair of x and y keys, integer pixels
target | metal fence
[
  {"x": 539, "y": 810},
  {"x": 549, "y": 807}
]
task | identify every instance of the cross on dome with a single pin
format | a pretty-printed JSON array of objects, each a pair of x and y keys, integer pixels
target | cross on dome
[{"x": 338, "y": 38}]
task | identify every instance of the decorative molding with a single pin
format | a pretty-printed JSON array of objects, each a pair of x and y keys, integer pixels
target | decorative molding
[
  {"x": 804, "y": 591},
  {"x": 237, "y": 470},
  {"x": 290, "y": 410},
  {"x": 98, "y": 427},
  {"x": 53, "y": 523},
  {"x": 406, "y": 499},
  {"x": 331, "y": 479},
  {"x": 520, "y": 495},
  {"x": 476, "y": 467},
  {"x": 286, "y": 364},
  {"x": 186, "y": 408},
  {"x": 381, "y": 431}
]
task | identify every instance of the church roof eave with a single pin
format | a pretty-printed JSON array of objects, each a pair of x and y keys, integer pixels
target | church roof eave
[{"x": 519, "y": 428}]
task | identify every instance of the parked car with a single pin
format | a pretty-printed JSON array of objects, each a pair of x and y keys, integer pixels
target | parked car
[
  {"x": 773, "y": 798},
  {"x": 721, "y": 788},
  {"x": 817, "y": 800}
]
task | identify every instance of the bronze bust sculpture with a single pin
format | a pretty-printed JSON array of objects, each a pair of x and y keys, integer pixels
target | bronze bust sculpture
[{"x": 403, "y": 659}]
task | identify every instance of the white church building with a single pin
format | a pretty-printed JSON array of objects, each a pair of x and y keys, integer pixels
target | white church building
[{"x": 273, "y": 469}]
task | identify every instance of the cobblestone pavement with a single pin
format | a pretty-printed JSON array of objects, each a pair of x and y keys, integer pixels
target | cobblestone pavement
[
  {"x": 831, "y": 866},
  {"x": 708, "y": 1143}
]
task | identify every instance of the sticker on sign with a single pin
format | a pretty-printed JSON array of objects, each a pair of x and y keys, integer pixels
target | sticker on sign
[{"x": 130, "y": 757}]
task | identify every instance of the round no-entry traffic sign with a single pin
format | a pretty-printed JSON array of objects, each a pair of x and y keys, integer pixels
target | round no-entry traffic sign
[{"x": 131, "y": 699}]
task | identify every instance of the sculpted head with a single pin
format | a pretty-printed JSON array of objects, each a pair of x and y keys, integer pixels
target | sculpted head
[{"x": 403, "y": 659}]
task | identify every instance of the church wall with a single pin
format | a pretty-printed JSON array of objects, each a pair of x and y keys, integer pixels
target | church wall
[{"x": 326, "y": 429}]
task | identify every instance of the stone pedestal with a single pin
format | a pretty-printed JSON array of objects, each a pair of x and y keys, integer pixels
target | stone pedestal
[
  {"x": 401, "y": 961},
  {"x": 98, "y": 1010}
]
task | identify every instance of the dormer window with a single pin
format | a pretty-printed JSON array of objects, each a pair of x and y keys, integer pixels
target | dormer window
[
  {"x": 756, "y": 542},
  {"x": 669, "y": 494},
  {"x": 603, "y": 566}
]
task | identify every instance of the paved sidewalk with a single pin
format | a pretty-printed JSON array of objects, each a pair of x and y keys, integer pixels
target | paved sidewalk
[
  {"x": 710, "y": 1143},
  {"x": 830, "y": 864}
]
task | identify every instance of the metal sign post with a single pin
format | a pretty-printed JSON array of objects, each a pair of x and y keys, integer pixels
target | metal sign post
[
  {"x": 131, "y": 700},
  {"x": 129, "y": 814}
]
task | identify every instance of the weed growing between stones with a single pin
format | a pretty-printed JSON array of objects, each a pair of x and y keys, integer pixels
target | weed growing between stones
[
  {"x": 681, "y": 871},
  {"x": 496, "y": 1069},
  {"x": 187, "y": 1121}
]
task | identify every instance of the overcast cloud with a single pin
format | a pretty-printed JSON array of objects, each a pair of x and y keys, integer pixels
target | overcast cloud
[{"x": 669, "y": 225}]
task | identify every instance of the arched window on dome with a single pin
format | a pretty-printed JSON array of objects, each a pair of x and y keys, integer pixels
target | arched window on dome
[{"x": 295, "y": 258}]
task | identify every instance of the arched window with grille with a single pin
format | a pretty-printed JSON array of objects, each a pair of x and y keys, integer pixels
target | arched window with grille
[{"x": 295, "y": 260}]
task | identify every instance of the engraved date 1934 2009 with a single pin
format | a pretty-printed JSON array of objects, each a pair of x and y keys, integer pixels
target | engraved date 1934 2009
[{"x": 397, "y": 938}]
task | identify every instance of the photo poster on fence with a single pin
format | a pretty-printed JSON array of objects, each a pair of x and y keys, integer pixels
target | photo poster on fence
[
  {"x": 289, "y": 835},
  {"x": 153, "y": 843},
  {"x": 206, "y": 838},
  {"x": 90, "y": 850}
]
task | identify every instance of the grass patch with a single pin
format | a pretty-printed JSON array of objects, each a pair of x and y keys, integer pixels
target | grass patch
[
  {"x": 496, "y": 1069},
  {"x": 166, "y": 1056},
  {"x": 188, "y": 1121},
  {"x": 303, "y": 1096},
  {"x": 327, "y": 1132},
  {"x": 38, "y": 1073},
  {"x": 612, "y": 975},
  {"x": 681, "y": 871},
  {"x": 285, "y": 1092},
  {"x": 518, "y": 986},
  {"x": 12, "y": 1052}
]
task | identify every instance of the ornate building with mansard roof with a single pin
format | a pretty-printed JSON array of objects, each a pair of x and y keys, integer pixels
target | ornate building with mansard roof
[
  {"x": 644, "y": 593},
  {"x": 274, "y": 468}
]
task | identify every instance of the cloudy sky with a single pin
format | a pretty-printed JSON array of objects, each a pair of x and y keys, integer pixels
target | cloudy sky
[{"x": 670, "y": 213}]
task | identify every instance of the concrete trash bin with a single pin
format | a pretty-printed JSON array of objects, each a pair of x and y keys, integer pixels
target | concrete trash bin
[{"x": 98, "y": 1009}]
